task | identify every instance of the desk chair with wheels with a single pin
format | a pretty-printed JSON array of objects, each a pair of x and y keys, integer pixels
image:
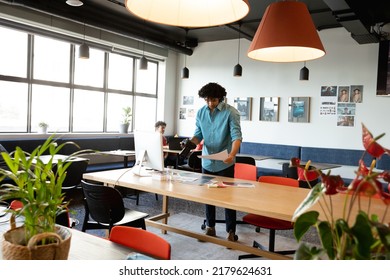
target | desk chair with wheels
[
  {"x": 74, "y": 174},
  {"x": 141, "y": 241},
  {"x": 270, "y": 223},
  {"x": 104, "y": 208},
  {"x": 194, "y": 163}
]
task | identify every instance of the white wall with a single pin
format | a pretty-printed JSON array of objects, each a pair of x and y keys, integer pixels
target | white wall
[{"x": 345, "y": 63}]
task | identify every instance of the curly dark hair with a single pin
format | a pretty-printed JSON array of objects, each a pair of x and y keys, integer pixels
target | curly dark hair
[
  {"x": 159, "y": 123},
  {"x": 212, "y": 90}
]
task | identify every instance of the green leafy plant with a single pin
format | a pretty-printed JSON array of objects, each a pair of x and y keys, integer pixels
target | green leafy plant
[
  {"x": 126, "y": 116},
  {"x": 43, "y": 124},
  {"x": 361, "y": 236},
  {"x": 37, "y": 184}
]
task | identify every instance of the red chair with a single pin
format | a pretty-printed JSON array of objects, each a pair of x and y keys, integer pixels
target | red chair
[
  {"x": 141, "y": 241},
  {"x": 245, "y": 171},
  {"x": 269, "y": 223}
]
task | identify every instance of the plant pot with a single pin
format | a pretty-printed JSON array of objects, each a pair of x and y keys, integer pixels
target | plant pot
[
  {"x": 123, "y": 128},
  {"x": 42, "y": 130},
  {"x": 13, "y": 246}
]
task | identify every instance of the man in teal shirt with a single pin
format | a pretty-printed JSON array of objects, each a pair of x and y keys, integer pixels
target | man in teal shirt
[{"x": 218, "y": 124}]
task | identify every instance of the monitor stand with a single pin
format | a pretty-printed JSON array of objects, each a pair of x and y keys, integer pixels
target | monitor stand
[
  {"x": 141, "y": 171},
  {"x": 138, "y": 169}
]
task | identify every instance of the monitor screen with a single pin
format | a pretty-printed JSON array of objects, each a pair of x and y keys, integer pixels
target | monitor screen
[{"x": 148, "y": 152}]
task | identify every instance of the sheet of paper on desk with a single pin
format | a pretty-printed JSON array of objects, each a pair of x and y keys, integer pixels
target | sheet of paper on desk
[{"x": 218, "y": 156}]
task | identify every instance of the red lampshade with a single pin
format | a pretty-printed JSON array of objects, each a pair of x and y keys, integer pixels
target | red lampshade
[{"x": 286, "y": 34}]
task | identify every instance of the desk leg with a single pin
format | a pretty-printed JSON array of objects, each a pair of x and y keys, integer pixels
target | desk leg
[
  {"x": 125, "y": 161},
  {"x": 165, "y": 203}
]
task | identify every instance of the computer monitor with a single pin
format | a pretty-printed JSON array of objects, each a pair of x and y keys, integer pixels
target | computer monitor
[{"x": 149, "y": 153}]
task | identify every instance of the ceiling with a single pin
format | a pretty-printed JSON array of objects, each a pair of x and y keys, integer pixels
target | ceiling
[{"x": 365, "y": 20}]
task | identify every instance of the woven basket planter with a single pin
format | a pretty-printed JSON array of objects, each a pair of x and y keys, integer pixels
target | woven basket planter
[{"x": 13, "y": 248}]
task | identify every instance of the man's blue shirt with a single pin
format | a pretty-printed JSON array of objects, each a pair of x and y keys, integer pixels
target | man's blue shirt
[{"x": 218, "y": 129}]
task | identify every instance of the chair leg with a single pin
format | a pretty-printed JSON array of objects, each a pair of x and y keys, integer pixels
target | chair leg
[{"x": 156, "y": 197}]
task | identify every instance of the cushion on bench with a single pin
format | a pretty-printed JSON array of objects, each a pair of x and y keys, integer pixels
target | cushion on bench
[
  {"x": 272, "y": 150},
  {"x": 335, "y": 156}
]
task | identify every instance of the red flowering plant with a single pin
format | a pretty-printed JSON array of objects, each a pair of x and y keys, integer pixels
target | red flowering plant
[{"x": 365, "y": 235}]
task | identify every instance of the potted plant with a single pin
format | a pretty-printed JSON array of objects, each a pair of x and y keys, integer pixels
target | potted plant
[
  {"x": 43, "y": 127},
  {"x": 366, "y": 236},
  {"x": 126, "y": 118},
  {"x": 36, "y": 182}
]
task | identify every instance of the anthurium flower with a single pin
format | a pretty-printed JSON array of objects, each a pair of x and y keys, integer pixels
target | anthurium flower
[
  {"x": 367, "y": 186},
  {"x": 295, "y": 162},
  {"x": 370, "y": 144},
  {"x": 333, "y": 184}
]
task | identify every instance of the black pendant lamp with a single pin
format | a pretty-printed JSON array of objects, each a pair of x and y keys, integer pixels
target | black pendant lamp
[
  {"x": 304, "y": 73},
  {"x": 185, "y": 72},
  {"x": 84, "y": 49},
  {"x": 237, "y": 71}
]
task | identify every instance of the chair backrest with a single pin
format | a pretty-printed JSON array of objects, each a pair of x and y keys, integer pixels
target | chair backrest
[
  {"x": 245, "y": 159},
  {"x": 104, "y": 204},
  {"x": 245, "y": 171},
  {"x": 279, "y": 181},
  {"x": 194, "y": 161},
  {"x": 142, "y": 241},
  {"x": 74, "y": 174}
]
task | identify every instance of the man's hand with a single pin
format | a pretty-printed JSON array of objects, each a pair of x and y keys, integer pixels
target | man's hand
[{"x": 229, "y": 159}]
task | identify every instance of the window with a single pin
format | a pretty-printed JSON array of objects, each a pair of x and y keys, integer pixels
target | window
[
  {"x": 146, "y": 81},
  {"x": 88, "y": 111},
  {"x": 50, "y": 105},
  {"x": 13, "y": 113},
  {"x": 51, "y": 59},
  {"x": 120, "y": 72},
  {"x": 90, "y": 72},
  {"x": 88, "y": 97},
  {"x": 115, "y": 105},
  {"x": 13, "y": 53}
]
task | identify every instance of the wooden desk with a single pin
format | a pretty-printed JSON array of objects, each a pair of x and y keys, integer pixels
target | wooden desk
[
  {"x": 264, "y": 199},
  {"x": 126, "y": 154},
  {"x": 85, "y": 246}
]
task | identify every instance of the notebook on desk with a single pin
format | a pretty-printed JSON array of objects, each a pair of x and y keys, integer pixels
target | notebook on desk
[{"x": 174, "y": 144}]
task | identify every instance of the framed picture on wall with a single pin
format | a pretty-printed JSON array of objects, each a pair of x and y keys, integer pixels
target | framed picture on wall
[
  {"x": 269, "y": 109},
  {"x": 299, "y": 109},
  {"x": 244, "y": 106}
]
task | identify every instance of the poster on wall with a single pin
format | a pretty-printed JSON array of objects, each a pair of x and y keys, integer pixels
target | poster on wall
[
  {"x": 244, "y": 107},
  {"x": 328, "y": 100},
  {"x": 269, "y": 109},
  {"x": 188, "y": 100},
  {"x": 183, "y": 113},
  {"x": 356, "y": 94},
  {"x": 299, "y": 109}
]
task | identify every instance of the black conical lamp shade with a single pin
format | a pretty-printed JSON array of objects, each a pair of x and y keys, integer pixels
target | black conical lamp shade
[
  {"x": 304, "y": 74},
  {"x": 185, "y": 73},
  {"x": 143, "y": 63},
  {"x": 237, "y": 72},
  {"x": 84, "y": 51}
]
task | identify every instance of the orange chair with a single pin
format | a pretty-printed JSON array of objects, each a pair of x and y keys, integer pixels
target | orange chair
[
  {"x": 270, "y": 223},
  {"x": 245, "y": 171},
  {"x": 141, "y": 241}
]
